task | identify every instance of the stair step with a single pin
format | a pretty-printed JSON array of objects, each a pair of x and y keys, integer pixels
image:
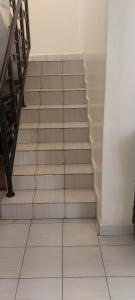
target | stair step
[
  {"x": 50, "y": 204},
  {"x": 55, "y": 97},
  {"x": 69, "y": 81},
  {"x": 55, "y": 67},
  {"x": 54, "y": 113},
  {"x": 53, "y": 132},
  {"x": 53, "y": 177},
  {"x": 59, "y": 153}
]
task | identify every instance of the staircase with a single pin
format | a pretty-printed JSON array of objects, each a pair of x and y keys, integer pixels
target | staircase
[{"x": 53, "y": 175}]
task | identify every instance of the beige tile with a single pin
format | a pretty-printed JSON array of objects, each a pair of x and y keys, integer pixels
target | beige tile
[
  {"x": 21, "y": 197},
  {"x": 117, "y": 240},
  {"x": 8, "y": 289},
  {"x": 49, "y": 182},
  {"x": 82, "y": 262},
  {"x": 10, "y": 262},
  {"x": 85, "y": 288},
  {"x": 79, "y": 196},
  {"x": 76, "y": 135},
  {"x": 45, "y": 235},
  {"x": 27, "y": 147},
  {"x": 78, "y": 169},
  {"x": 50, "y": 170},
  {"x": 51, "y": 115},
  {"x": 51, "y": 82},
  {"x": 34, "y": 69},
  {"x": 51, "y": 97},
  {"x": 17, "y": 211},
  {"x": 49, "y": 196},
  {"x": 119, "y": 260},
  {"x": 25, "y": 158},
  {"x": 76, "y": 156},
  {"x": 49, "y": 211},
  {"x": 40, "y": 289},
  {"x": 76, "y": 146},
  {"x": 122, "y": 288},
  {"x": 73, "y": 67},
  {"x": 42, "y": 262},
  {"x": 80, "y": 210},
  {"x": 75, "y": 97},
  {"x": 21, "y": 183},
  {"x": 32, "y": 83},
  {"x": 30, "y": 116},
  {"x": 28, "y": 136},
  {"x": 79, "y": 181},
  {"x": 51, "y": 135},
  {"x": 14, "y": 235},
  {"x": 73, "y": 81},
  {"x": 32, "y": 98},
  {"x": 50, "y": 157},
  {"x": 75, "y": 115},
  {"x": 24, "y": 170},
  {"x": 52, "y": 67},
  {"x": 80, "y": 234},
  {"x": 73, "y": 57},
  {"x": 50, "y": 146}
]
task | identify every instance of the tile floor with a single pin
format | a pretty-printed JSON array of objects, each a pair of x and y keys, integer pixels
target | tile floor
[{"x": 64, "y": 260}]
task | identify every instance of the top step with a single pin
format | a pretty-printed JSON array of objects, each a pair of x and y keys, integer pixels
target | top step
[{"x": 55, "y": 68}]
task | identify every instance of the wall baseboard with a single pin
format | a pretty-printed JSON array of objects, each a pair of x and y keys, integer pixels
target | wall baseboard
[{"x": 115, "y": 229}]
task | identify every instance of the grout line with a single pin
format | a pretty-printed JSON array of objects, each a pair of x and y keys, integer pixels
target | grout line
[
  {"x": 22, "y": 260},
  {"x": 65, "y": 277},
  {"x": 104, "y": 268}
]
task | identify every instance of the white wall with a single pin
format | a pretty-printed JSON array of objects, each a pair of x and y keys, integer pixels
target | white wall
[
  {"x": 55, "y": 26},
  {"x": 94, "y": 29},
  {"x": 119, "y": 121}
]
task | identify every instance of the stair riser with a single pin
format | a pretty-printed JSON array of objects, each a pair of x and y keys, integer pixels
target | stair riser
[
  {"x": 45, "y": 182},
  {"x": 55, "y": 67},
  {"x": 55, "y": 82},
  {"x": 53, "y": 135},
  {"x": 55, "y": 97},
  {"x": 48, "y": 211},
  {"x": 53, "y": 157},
  {"x": 54, "y": 115}
]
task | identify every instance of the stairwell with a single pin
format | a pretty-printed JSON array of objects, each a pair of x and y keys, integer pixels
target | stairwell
[{"x": 53, "y": 175}]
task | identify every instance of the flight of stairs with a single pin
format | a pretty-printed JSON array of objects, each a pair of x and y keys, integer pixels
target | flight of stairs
[{"x": 53, "y": 175}]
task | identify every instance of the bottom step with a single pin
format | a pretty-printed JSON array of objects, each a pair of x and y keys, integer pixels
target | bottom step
[{"x": 47, "y": 204}]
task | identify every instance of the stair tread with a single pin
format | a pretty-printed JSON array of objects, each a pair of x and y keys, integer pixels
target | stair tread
[
  {"x": 53, "y": 146},
  {"x": 54, "y": 90},
  {"x": 53, "y": 125},
  {"x": 30, "y": 170},
  {"x": 65, "y": 106},
  {"x": 51, "y": 196}
]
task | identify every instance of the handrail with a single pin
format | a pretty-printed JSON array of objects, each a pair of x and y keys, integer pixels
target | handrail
[{"x": 12, "y": 81}]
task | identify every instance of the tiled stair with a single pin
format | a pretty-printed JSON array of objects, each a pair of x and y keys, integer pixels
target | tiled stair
[{"x": 53, "y": 176}]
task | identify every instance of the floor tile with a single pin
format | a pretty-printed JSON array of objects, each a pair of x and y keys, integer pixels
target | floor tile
[
  {"x": 24, "y": 170},
  {"x": 45, "y": 235},
  {"x": 8, "y": 289},
  {"x": 85, "y": 289},
  {"x": 42, "y": 262},
  {"x": 122, "y": 288},
  {"x": 50, "y": 169},
  {"x": 14, "y": 235},
  {"x": 40, "y": 289},
  {"x": 78, "y": 234},
  {"x": 10, "y": 262},
  {"x": 119, "y": 260},
  {"x": 49, "y": 196},
  {"x": 82, "y": 262}
]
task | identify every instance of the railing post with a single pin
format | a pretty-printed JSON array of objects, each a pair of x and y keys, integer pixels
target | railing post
[{"x": 6, "y": 151}]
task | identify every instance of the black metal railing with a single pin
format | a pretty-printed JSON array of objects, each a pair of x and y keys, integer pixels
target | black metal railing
[{"x": 12, "y": 81}]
